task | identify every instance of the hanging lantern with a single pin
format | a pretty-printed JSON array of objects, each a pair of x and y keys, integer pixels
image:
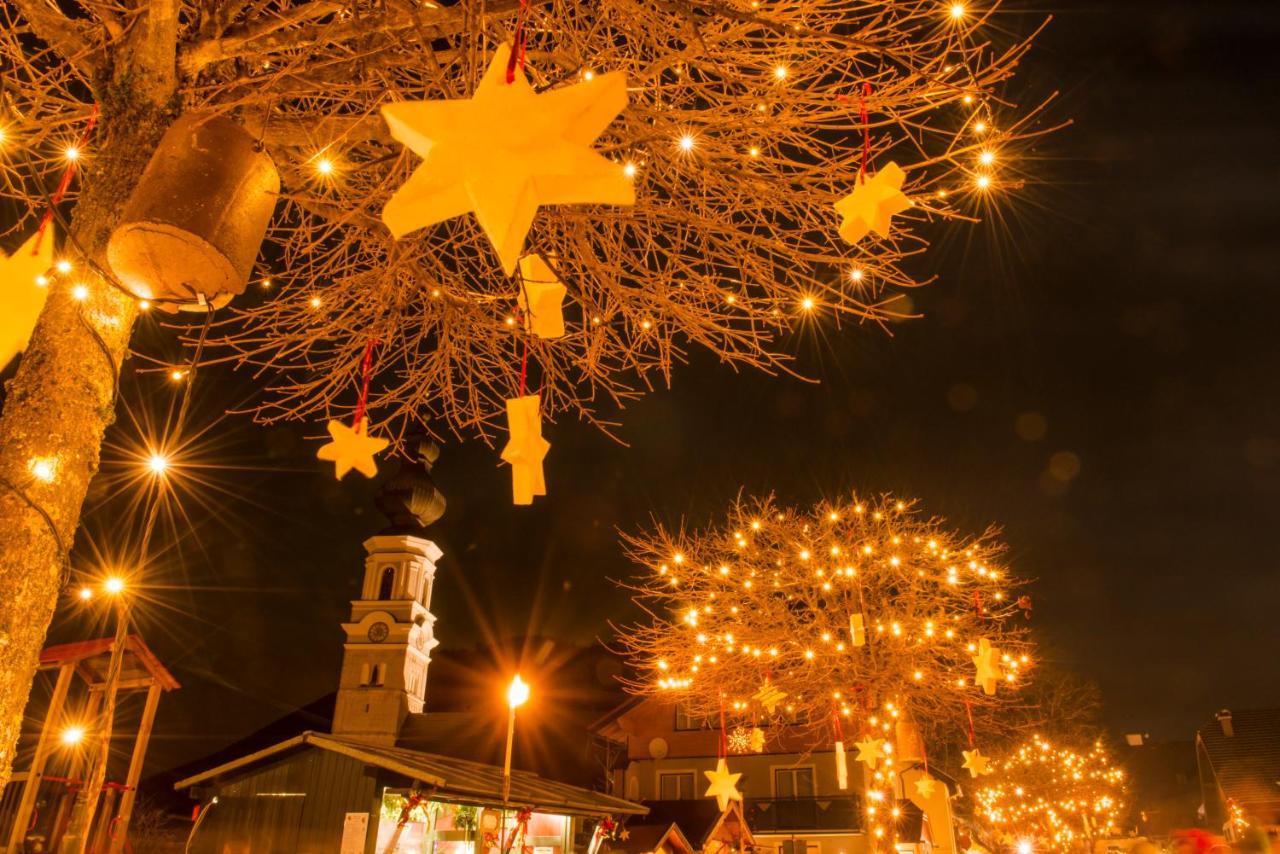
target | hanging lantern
[{"x": 192, "y": 228}]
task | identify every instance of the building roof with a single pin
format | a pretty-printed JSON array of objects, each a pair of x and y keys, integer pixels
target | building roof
[
  {"x": 92, "y": 659},
  {"x": 644, "y": 838},
  {"x": 700, "y": 819},
  {"x": 1246, "y": 764},
  {"x": 450, "y": 779}
]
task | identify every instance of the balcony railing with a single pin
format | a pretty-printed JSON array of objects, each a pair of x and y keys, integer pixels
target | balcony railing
[{"x": 769, "y": 815}]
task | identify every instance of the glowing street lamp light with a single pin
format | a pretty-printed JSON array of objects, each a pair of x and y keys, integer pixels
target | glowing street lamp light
[
  {"x": 517, "y": 695},
  {"x": 72, "y": 736},
  {"x": 113, "y": 585},
  {"x": 158, "y": 463}
]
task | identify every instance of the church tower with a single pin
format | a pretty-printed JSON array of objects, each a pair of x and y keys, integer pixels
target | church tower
[{"x": 392, "y": 630}]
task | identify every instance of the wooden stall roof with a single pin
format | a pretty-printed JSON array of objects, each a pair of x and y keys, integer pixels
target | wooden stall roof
[
  {"x": 450, "y": 779},
  {"x": 92, "y": 658}
]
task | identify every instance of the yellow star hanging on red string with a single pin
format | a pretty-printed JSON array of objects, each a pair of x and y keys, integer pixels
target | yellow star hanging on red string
[
  {"x": 506, "y": 151},
  {"x": 351, "y": 449},
  {"x": 22, "y": 292},
  {"x": 925, "y": 786},
  {"x": 724, "y": 786},
  {"x": 872, "y": 204},
  {"x": 541, "y": 295},
  {"x": 987, "y": 663},
  {"x": 870, "y": 751},
  {"x": 525, "y": 448},
  {"x": 975, "y": 763},
  {"x": 770, "y": 696}
]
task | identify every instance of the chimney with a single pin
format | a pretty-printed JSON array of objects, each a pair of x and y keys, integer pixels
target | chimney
[{"x": 1224, "y": 721}]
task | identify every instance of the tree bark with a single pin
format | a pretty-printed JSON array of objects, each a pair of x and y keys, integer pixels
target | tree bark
[{"x": 58, "y": 407}]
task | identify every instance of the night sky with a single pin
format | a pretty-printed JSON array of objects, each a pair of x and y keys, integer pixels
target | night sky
[{"x": 1096, "y": 372}]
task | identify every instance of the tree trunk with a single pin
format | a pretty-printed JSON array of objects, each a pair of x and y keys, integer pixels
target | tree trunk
[{"x": 58, "y": 407}]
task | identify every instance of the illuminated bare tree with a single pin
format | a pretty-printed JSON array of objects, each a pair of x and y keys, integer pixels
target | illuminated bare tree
[
  {"x": 746, "y": 123},
  {"x": 862, "y": 609}
]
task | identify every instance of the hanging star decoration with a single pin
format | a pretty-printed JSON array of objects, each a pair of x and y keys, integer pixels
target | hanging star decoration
[
  {"x": 724, "y": 786},
  {"x": 770, "y": 696},
  {"x": 857, "y": 630},
  {"x": 541, "y": 298},
  {"x": 987, "y": 663},
  {"x": 525, "y": 448},
  {"x": 351, "y": 448},
  {"x": 505, "y": 152},
  {"x": 872, "y": 204},
  {"x": 975, "y": 763},
  {"x": 22, "y": 292},
  {"x": 870, "y": 751},
  {"x": 925, "y": 787}
]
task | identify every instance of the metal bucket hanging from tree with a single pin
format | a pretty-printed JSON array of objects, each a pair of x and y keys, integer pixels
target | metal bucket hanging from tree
[{"x": 194, "y": 223}]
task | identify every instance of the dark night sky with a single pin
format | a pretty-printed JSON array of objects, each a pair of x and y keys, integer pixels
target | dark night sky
[{"x": 1128, "y": 297}]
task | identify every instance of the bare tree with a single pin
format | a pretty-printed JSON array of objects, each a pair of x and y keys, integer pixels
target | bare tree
[{"x": 747, "y": 121}]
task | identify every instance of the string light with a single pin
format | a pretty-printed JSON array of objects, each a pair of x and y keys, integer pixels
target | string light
[
  {"x": 686, "y": 142},
  {"x": 80, "y": 292},
  {"x": 62, "y": 265},
  {"x": 71, "y": 153},
  {"x": 85, "y": 593},
  {"x": 114, "y": 585},
  {"x": 72, "y": 735},
  {"x": 158, "y": 464},
  {"x": 43, "y": 469},
  {"x": 957, "y": 11}
]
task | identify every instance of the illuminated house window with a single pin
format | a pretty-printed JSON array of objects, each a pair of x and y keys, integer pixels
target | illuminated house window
[{"x": 676, "y": 787}]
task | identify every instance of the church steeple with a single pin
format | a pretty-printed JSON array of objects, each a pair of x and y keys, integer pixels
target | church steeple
[{"x": 392, "y": 630}]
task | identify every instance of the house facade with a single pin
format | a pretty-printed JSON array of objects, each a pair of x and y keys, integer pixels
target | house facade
[
  {"x": 1238, "y": 756},
  {"x": 792, "y": 800}
]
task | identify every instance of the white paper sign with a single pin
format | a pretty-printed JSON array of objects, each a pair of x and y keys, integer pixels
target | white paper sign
[{"x": 354, "y": 829}]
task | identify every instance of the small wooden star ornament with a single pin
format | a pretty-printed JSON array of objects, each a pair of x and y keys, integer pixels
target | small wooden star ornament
[
  {"x": 925, "y": 787},
  {"x": 541, "y": 298},
  {"x": 525, "y": 448},
  {"x": 870, "y": 751},
  {"x": 505, "y": 152},
  {"x": 351, "y": 448},
  {"x": 724, "y": 786},
  {"x": 987, "y": 664},
  {"x": 770, "y": 696},
  {"x": 857, "y": 630},
  {"x": 975, "y": 763},
  {"x": 21, "y": 293},
  {"x": 872, "y": 204}
]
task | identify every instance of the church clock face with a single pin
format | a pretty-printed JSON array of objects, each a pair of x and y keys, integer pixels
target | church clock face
[
  {"x": 419, "y": 640},
  {"x": 378, "y": 632}
]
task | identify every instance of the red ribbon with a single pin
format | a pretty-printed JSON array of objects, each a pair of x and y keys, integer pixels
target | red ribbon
[
  {"x": 366, "y": 373},
  {"x": 724, "y": 736},
  {"x": 835, "y": 725},
  {"x": 866, "y": 131},
  {"x": 517, "y": 48},
  {"x": 968, "y": 710},
  {"x": 64, "y": 184}
]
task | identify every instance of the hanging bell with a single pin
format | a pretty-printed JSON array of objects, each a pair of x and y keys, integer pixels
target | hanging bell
[{"x": 191, "y": 230}]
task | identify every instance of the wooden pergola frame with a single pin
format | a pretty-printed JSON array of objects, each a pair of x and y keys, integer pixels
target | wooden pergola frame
[{"x": 90, "y": 660}]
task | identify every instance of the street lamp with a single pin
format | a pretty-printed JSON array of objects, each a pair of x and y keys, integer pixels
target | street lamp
[{"x": 517, "y": 695}]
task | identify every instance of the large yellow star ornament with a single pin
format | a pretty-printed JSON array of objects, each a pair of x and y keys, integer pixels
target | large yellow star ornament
[
  {"x": 505, "y": 152},
  {"x": 870, "y": 751},
  {"x": 351, "y": 448},
  {"x": 525, "y": 448},
  {"x": 975, "y": 763},
  {"x": 872, "y": 204},
  {"x": 22, "y": 293},
  {"x": 987, "y": 665},
  {"x": 724, "y": 786}
]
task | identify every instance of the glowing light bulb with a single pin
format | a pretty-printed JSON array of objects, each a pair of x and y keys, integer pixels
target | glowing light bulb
[
  {"x": 957, "y": 11},
  {"x": 807, "y": 303},
  {"x": 158, "y": 463},
  {"x": 144, "y": 305},
  {"x": 86, "y": 593},
  {"x": 980, "y": 127},
  {"x": 518, "y": 692},
  {"x": 983, "y": 182},
  {"x": 629, "y": 170},
  {"x": 324, "y": 166},
  {"x": 855, "y": 274},
  {"x": 315, "y": 302},
  {"x": 266, "y": 283},
  {"x": 63, "y": 266},
  {"x": 42, "y": 281},
  {"x": 72, "y": 153},
  {"x": 686, "y": 142},
  {"x": 780, "y": 72},
  {"x": 72, "y": 735},
  {"x": 987, "y": 158},
  {"x": 588, "y": 76},
  {"x": 114, "y": 585},
  {"x": 43, "y": 469},
  {"x": 177, "y": 375},
  {"x": 80, "y": 292}
]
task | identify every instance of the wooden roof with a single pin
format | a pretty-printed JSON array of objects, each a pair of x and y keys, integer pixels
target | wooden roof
[
  {"x": 93, "y": 657},
  {"x": 450, "y": 779}
]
